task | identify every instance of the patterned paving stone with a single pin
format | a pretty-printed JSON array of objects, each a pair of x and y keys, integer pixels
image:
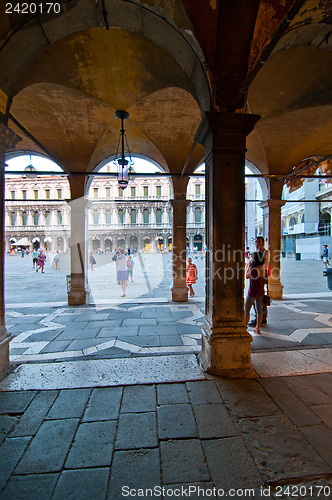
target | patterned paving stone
[
  {"x": 172, "y": 394},
  {"x": 138, "y": 399},
  {"x": 214, "y": 421},
  {"x": 231, "y": 464},
  {"x": 33, "y": 417},
  {"x": 279, "y": 449},
  {"x": 70, "y": 403},
  {"x": 306, "y": 390},
  {"x": 10, "y": 452},
  {"x": 13, "y": 402},
  {"x": 134, "y": 469},
  {"x": 31, "y": 486},
  {"x": 204, "y": 392},
  {"x": 292, "y": 406},
  {"x": 183, "y": 461},
  {"x": 318, "y": 436},
  {"x": 104, "y": 404},
  {"x": 176, "y": 421},
  {"x": 246, "y": 398},
  {"x": 136, "y": 430},
  {"x": 324, "y": 412},
  {"x": 48, "y": 449},
  {"x": 84, "y": 484},
  {"x": 93, "y": 445}
]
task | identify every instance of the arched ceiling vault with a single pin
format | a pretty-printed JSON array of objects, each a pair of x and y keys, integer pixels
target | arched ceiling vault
[{"x": 167, "y": 63}]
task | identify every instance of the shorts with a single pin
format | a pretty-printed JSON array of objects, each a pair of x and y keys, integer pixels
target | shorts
[
  {"x": 34, "y": 261},
  {"x": 249, "y": 303},
  {"x": 122, "y": 275},
  {"x": 130, "y": 272}
]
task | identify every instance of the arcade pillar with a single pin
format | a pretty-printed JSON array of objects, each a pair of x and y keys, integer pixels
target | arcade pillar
[{"x": 226, "y": 344}]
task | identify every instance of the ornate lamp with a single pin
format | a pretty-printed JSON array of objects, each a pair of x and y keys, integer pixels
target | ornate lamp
[{"x": 124, "y": 166}]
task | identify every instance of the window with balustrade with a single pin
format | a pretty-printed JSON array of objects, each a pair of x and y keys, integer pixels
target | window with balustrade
[
  {"x": 48, "y": 218},
  {"x": 158, "y": 216},
  {"x": 96, "y": 218},
  {"x": 133, "y": 191},
  {"x": 108, "y": 217},
  {"x": 145, "y": 191},
  {"x": 133, "y": 217},
  {"x": 47, "y": 194},
  {"x": 197, "y": 190},
  {"x": 12, "y": 195},
  {"x": 198, "y": 215},
  {"x": 13, "y": 219},
  {"x": 35, "y": 194},
  {"x": 59, "y": 217},
  {"x": 146, "y": 217},
  {"x": 158, "y": 191},
  {"x": 121, "y": 216},
  {"x": 24, "y": 194},
  {"x": 35, "y": 218}
]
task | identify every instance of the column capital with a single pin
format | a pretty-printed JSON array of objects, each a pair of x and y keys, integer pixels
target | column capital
[
  {"x": 225, "y": 125},
  {"x": 179, "y": 203},
  {"x": 273, "y": 205}
]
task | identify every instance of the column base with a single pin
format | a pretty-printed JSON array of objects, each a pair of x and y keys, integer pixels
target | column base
[
  {"x": 227, "y": 355},
  {"x": 5, "y": 338},
  {"x": 78, "y": 297},
  {"x": 180, "y": 294},
  {"x": 276, "y": 290}
]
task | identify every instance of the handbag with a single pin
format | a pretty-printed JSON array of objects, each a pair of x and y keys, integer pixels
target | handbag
[
  {"x": 266, "y": 297},
  {"x": 266, "y": 300}
]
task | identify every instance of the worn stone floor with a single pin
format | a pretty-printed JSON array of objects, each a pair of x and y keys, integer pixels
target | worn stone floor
[{"x": 107, "y": 401}]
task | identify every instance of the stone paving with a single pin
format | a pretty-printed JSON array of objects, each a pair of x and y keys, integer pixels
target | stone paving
[
  {"x": 226, "y": 434},
  {"x": 103, "y": 433}
]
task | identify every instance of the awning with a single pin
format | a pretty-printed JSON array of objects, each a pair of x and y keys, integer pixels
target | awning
[{"x": 23, "y": 242}]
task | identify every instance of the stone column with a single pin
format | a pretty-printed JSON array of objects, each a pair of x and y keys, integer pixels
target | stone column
[
  {"x": 226, "y": 348},
  {"x": 79, "y": 291},
  {"x": 8, "y": 140},
  {"x": 180, "y": 289},
  {"x": 273, "y": 208}
]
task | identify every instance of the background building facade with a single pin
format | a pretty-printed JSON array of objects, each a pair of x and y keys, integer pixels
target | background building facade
[{"x": 139, "y": 217}]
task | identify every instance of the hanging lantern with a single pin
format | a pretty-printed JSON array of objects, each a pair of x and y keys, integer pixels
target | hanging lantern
[{"x": 123, "y": 165}]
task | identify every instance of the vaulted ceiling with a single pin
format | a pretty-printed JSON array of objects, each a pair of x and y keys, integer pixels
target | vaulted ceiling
[{"x": 166, "y": 63}]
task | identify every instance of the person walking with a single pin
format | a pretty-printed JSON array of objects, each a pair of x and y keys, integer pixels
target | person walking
[
  {"x": 247, "y": 255},
  {"x": 191, "y": 275},
  {"x": 130, "y": 266},
  {"x": 35, "y": 254},
  {"x": 41, "y": 261},
  {"x": 56, "y": 260},
  {"x": 256, "y": 274},
  {"x": 92, "y": 260},
  {"x": 122, "y": 270},
  {"x": 325, "y": 256}
]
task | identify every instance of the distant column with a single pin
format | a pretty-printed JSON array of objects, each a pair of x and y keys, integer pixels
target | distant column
[{"x": 79, "y": 291}]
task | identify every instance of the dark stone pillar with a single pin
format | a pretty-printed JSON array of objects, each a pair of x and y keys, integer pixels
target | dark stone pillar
[
  {"x": 79, "y": 290},
  {"x": 180, "y": 289},
  {"x": 8, "y": 140},
  {"x": 226, "y": 348}
]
